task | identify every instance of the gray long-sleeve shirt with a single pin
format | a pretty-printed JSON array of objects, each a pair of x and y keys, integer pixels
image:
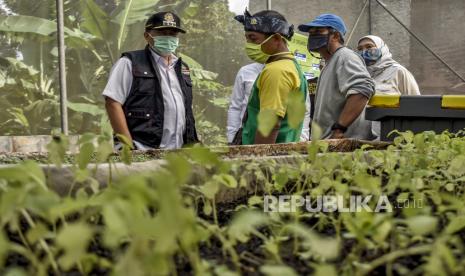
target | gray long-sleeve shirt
[{"x": 345, "y": 74}]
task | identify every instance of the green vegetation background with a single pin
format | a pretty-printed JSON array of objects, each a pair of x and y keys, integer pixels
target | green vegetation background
[{"x": 97, "y": 32}]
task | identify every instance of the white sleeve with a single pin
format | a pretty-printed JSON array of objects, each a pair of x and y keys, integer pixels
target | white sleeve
[
  {"x": 120, "y": 81},
  {"x": 235, "y": 107},
  {"x": 305, "y": 135},
  {"x": 407, "y": 83}
]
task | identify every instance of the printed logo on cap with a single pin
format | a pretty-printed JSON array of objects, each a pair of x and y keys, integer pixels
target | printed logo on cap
[{"x": 169, "y": 20}]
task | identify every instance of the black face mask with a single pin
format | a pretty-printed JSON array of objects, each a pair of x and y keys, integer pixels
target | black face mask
[{"x": 316, "y": 42}]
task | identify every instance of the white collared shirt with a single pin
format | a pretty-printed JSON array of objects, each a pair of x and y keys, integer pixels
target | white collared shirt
[
  {"x": 243, "y": 85},
  {"x": 174, "y": 123}
]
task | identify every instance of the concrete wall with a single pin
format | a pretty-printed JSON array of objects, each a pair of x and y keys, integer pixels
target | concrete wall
[
  {"x": 37, "y": 143},
  {"x": 439, "y": 23},
  {"x": 301, "y": 11},
  {"x": 395, "y": 36}
]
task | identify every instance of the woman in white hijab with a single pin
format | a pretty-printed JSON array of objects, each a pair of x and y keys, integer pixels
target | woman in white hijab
[{"x": 390, "y": 77}]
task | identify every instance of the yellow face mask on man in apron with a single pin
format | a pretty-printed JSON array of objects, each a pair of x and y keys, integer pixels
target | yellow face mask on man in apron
[
  {"x": 254, "y": 51},
  {"x": 281, "y": 78}
]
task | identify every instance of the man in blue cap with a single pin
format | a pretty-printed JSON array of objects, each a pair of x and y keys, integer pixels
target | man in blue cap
[{"x": 344, "y": 87}]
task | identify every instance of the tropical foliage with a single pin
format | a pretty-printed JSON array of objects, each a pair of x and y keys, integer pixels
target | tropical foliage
[{"x": 97, "y": 32}]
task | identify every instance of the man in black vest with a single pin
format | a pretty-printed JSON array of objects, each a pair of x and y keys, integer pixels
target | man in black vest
[{"x": 148, "y": 96}]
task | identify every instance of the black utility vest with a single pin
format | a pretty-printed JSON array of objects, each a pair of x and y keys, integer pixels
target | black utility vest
[{"x": 144, "y": 107}]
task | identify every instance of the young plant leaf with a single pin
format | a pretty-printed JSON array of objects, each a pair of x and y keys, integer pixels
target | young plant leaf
[
  {"x": 296, "y": 109},
  {"x": 277, "y": 270},
  {"x": 73, "y": 239},
  {"x": 267, "y": 120}
]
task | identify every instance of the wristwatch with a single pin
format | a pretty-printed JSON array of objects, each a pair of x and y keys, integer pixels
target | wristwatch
[{"x": 339, "y": 127}]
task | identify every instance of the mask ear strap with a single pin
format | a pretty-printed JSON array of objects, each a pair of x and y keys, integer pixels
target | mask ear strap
[
  {"x": 291, "y": 32},
  {"x": 327, "y": 42},
  {"x": 331, "y": 31},
  {"x": 267, "y": 39},
  {"x": 320, "y": 58},
  {"x": 153, "y": 39}
]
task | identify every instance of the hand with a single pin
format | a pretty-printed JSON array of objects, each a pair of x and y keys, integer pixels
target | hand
[{"x": 337, "y": 134}]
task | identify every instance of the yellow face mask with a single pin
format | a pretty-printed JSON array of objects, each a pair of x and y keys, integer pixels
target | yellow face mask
[{"x": 255, "y": 52}]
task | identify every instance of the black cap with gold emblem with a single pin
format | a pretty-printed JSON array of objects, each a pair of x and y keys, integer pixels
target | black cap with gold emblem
[{"x": 162, "y": 20}]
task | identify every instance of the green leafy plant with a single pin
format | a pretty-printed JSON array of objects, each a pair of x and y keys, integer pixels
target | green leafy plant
[{"x": 183, "y": 218}]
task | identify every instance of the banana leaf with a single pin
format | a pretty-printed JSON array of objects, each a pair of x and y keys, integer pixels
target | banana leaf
[
  {"x": 42, "y": 28},
  {"x": 91, "y": 109},
  {"x": 132, "y": 12},
  {"x": 197, "y": 70},
  {"x": 95, "y": 19}
]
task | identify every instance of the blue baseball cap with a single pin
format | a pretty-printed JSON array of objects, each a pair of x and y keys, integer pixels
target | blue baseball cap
[{"x": 325, "y": 20}]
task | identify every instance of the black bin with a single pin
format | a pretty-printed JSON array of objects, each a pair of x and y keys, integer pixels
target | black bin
[{"x": 417, "y": 113}]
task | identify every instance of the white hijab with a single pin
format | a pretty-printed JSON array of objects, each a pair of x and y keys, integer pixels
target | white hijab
[{"x": 386, "y": 56}]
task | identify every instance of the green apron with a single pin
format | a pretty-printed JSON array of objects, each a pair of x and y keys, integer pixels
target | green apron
[{"x": 286, "y": 133}]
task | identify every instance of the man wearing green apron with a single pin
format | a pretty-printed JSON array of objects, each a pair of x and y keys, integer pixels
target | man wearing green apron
[{"x": 267, "y": 33}]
